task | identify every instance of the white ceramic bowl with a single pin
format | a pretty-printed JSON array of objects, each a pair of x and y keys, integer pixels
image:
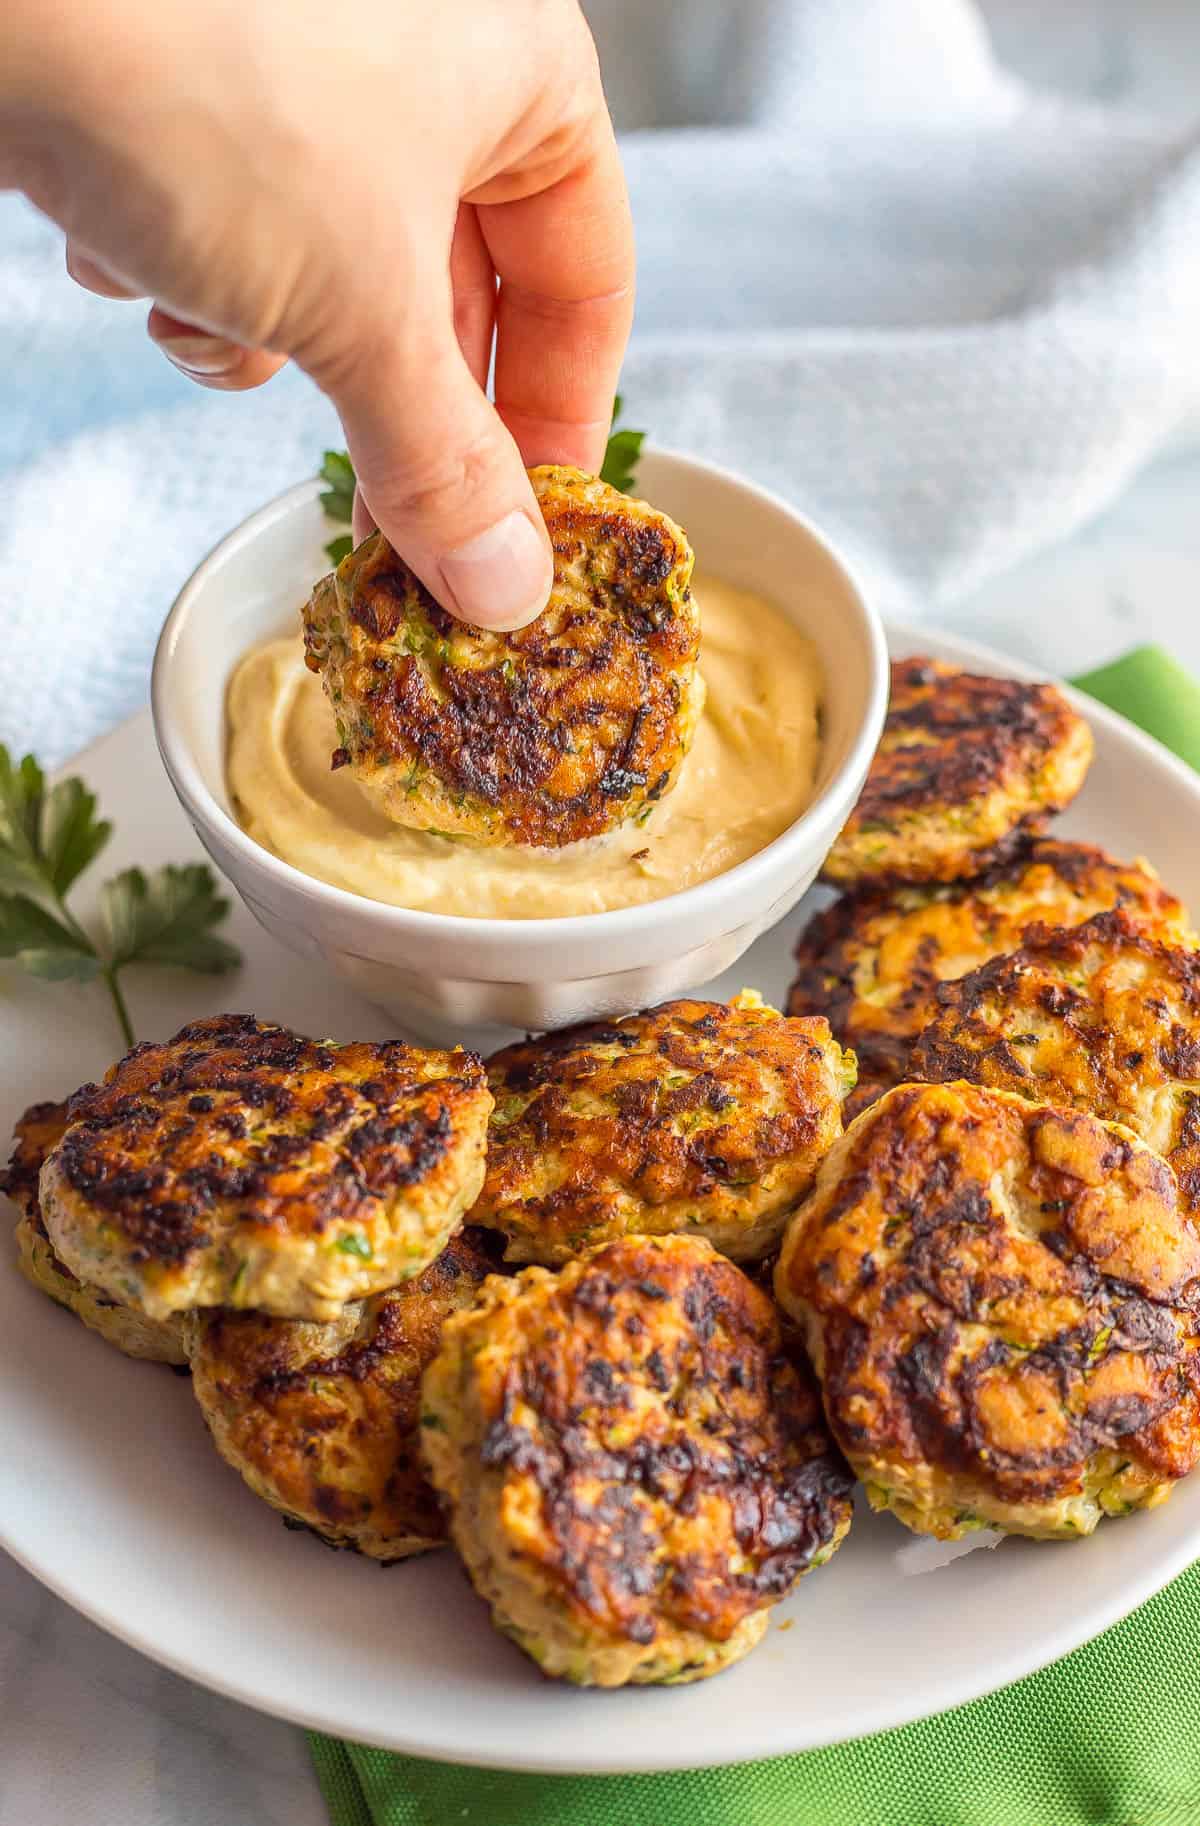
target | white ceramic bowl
[{"x": 440, "y": 975}]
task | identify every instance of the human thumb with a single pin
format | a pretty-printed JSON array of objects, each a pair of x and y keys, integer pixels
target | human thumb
[{"x": 444, "y": 481}]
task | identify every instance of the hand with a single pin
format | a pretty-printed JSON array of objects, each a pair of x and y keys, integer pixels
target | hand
[{"x": 345, "y": 185}]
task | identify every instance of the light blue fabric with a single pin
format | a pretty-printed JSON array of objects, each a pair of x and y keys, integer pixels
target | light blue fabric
[{"x": 948, "y": 315}]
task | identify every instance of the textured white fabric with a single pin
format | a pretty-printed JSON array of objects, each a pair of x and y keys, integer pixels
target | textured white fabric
[{"x": 948, "y": 316}]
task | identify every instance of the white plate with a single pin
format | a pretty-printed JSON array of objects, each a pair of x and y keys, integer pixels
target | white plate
[{"x": 112, "y": 1495}]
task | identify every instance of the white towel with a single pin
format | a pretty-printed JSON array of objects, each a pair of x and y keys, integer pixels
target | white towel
[{"x": 949, "y": 317}]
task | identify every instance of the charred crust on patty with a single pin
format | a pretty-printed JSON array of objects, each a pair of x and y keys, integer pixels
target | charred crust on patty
[
  {"x": 40, "y": 1128},
  {"x": 322, "y": 1420},
  {"x": 967, "y": 769},
  {"x": 129, "y": 1331},
  {"x": 872, "y": 961},
  {"x": 1103, "y": 1016},
  {"x": 658, "y": 1482},
  {"x": 200, "y": 1159},
  {"x": 556, "y": 732},
  {"x": 703, "y": 1116},
  {"x": 1002, "y": 1303}
]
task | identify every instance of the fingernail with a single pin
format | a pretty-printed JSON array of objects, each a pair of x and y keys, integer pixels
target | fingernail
[
  {"x": 502, "y": 578},
  {"x": 204, "y": 355}
]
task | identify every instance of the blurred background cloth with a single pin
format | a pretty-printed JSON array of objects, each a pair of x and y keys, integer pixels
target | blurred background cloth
[{"x": 946, "y": 309}]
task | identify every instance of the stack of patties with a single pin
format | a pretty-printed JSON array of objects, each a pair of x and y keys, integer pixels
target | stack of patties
[
  {"x": 279, "y": 1212},
  {"x": 632, "y": 1467},
  {"x": 630, "y": 1450},
  {"x": 943, "y": 864},
  {"x": 620, "y": 1432},
  {"x": 629, "y": 1454},
  {"x": 627, "y": 1449},
  {"x": 998, "y": 1274}
]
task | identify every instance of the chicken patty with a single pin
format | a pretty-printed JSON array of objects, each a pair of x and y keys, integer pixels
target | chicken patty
[
  {"x": 153, "y": 1340},
  {"x": 1000, "y": 1300},
  {"x": 242, "y": 1165},
  {"x": 871, "y": 963},
  {"x": 321, "y": 1420},
  {"x": 559, "y": 731},
  {"x": 702, "y": 1117},
  {"x": 1101, "y": 1017},
  {"x": 633, "y": 1470},
  {"x": 966, "y": 769}
]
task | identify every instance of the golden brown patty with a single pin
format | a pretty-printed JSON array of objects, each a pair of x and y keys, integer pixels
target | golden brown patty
[
  {"x": 1000, "y": 1299},
  {"x": 559, "y": 731},
  {"x": 1102, "y": 1017},
  {"x": 866, "y": 1092},
  {"x": 633, "y": 1471},
  {"x": 696, "y": 1116},
  {"x": 37, "y": 1131},
  {"x": 242, "y": 1165},
  {"x": 321, "y": 1420},
  {"x": 872, "y": 961},
  {"x": 156, "y": 1341},
  {"x": 967, "y": 767}
]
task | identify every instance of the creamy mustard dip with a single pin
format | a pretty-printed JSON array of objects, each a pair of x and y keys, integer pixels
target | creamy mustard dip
[{"x": 749, "y": 775}]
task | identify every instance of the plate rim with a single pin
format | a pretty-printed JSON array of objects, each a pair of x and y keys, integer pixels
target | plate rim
[{"x": 1143, "y": 1577}]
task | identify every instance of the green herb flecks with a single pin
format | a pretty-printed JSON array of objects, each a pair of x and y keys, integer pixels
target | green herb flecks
[
  {"x": 337, "y": 498},
  {"x": 355, "y": 1244},
  {"x": 1099, "y": 1344},
  {"x": 48, "y": 837}
]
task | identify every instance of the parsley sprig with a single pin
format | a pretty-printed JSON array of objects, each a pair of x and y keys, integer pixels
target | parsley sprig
[
  {"x": 621, "y": 458},
  {"x": 337, "y": 498},
  {"x": 619, "y": 470},
  {"x": 48, "y": 837}
]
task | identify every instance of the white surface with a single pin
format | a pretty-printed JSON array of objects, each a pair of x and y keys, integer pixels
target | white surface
[
  {"x": 124, "y": 1508},
  {"x": 110, "y": 462},
  {"x": 438, "y": 973}
]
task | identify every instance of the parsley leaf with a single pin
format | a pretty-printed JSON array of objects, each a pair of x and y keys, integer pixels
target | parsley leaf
[
  {"x": 621, "y": 459},
  {"x": 71, "y": 834},
  {"x": 48, "y": 837},
  {"x": 167, "y": 918},
  {"x": 41, "y": 944},
  {"x": 337, "y": 498},
  {"x": 619, "y": 468},
  {"x": 337, "y": 473}
]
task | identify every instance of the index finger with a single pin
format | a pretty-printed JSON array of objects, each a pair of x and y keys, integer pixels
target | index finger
[{"x": 565, "y": 258}]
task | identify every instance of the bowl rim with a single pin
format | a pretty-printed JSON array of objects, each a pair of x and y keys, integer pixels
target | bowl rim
[{"x": 619, "y": 923}]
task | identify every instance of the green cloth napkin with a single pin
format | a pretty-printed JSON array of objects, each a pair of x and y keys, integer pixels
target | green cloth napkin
[
  {"x": 1109, "y": 1736},
  {"x": 1153, "y": 691}
]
